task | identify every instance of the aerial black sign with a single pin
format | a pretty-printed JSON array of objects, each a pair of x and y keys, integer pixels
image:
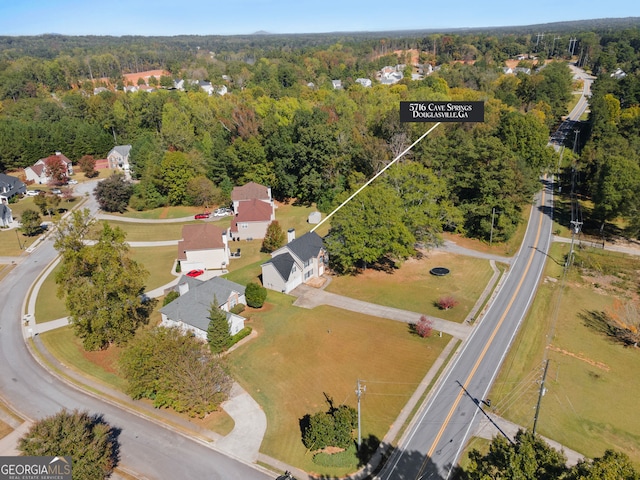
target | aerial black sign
[{"x": 442, "y": 111}]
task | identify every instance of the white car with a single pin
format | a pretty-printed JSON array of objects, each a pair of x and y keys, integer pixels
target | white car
[
  {"x": 222, "y": 212},
  {"x": 32, "y": 193},
  {"x": 72, "y": 182}
]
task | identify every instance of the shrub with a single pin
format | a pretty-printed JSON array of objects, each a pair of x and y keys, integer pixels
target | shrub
[
  {"x": 171, "y": 296},
  {"x": 445, "y": 303},
  {"x": 424, "y": 327},
  {"x": 256, "y": 295},
  {"x": 238, "y": 308},
  {"x": 245, "y": 332},
  {"x": 333, "y": 428}
]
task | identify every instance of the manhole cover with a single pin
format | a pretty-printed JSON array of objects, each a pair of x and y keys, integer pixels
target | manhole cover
[{"x": 439, "y": 271}]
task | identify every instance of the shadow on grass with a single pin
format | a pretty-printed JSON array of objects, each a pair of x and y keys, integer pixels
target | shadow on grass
[{"x": 602, "y": 323}]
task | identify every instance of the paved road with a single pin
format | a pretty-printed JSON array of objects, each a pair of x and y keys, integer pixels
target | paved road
[
  {"x": 146, "y": 447},
  {"x": 431, "y": 446}
]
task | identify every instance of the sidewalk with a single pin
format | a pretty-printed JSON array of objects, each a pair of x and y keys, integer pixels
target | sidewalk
[{"x": 310, "y": 297}]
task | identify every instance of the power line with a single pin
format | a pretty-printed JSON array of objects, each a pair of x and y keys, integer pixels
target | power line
[{"x": 376, "y": 176}]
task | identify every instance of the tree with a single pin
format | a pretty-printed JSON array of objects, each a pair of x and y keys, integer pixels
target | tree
[
  {"x": 88, "y": 439},
  {"x": 528, "y": 457},
  {"x": 424, "y": 327},
  {"x": 202, "y": 192},
  {"x": 174, "y": 370},
  {"x": 31, "y": 222},
  {"x": 218, "y": 336},
  {"x": 333, "y": 428},
  {"x": 369, "y": 229},
  {"x": 113, "y": 193},
  {"x": 87, "y": 166},
  {"x": 255, "y": 294},
  {"x": 447, "y": 302},
  {"x": 176, "y": 170},
  {"x": 611, "y": 466},
  {"x": 274, "y": 237},
  {"x": 102, "y": 286},
  {"x": 56, "y": 170}
]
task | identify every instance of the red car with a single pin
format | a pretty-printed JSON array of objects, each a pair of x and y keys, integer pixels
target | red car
[
  {"x": 194, "y": 273},
  {"x": 200, "y": 216}
]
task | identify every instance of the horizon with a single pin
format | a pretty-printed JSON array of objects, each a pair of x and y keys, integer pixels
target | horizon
[{"x": 161, "y": 18}]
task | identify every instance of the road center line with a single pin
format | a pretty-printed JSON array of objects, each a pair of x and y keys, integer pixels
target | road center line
[{"x": 486, "y": 347}]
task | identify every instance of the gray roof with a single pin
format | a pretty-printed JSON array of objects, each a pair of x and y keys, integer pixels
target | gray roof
[
  {"x": 123, "y": 150},
  {"x": 283, "y": 263},
  {"x": 10, "y": 186},
  {"x": 307, "y": 246},
  {"x": 193, "y": 307}
]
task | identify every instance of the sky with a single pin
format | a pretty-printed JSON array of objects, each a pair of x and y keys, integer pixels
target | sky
[{"x": 238, "y": 17}]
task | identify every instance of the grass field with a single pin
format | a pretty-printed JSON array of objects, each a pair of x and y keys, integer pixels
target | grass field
[
  {"x": 158, "y": 261},
  {"x": 48, "y": 305},
  {"x": 149, "y": 232},
  {"x": 300, "y": 355},
  {"x": 163, "y": 212},
  {"x": 413, "y": 288},
  {"x": 592, "y": 387}
]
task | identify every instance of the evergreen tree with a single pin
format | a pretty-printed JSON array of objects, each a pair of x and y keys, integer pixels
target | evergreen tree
[
  {"x": 274, "y": 238},
  {"x": 218, "y": 336}
]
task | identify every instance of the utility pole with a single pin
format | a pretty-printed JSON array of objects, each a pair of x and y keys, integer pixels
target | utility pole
[
  {"x": 493, "y": 214},
  {"x": 542, "y": 391},
  {"x": 360, "y": 389}
]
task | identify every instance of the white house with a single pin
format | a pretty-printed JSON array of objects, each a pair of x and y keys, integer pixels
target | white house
[
  {"x": 365, "y": 82},
  {"x": 190, "y": 311},
  {"x": 38, "y": 171},
  {"x": 297, "y": 262},
  {"x": 203, "y": 246},
  {"x": 10, "y": 186},
  {"x": 118, "y": 157}
]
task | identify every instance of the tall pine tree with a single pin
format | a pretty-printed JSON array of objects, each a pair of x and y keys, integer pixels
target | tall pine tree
[{"x": 218, "y": 335}]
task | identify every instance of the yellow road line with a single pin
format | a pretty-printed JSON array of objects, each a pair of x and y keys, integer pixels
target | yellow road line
[{"x": 484, "y": 351}]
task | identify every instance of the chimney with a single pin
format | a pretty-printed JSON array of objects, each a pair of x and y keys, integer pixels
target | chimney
[{"x": 291, "y": 235}]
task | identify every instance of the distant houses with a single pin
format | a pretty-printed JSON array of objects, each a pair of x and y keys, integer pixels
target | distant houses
[{"x": 10, "y": 187}]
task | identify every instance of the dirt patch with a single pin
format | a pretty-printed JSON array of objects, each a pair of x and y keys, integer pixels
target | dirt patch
[
  {"x": 106, "y": 359},
  {"x": 580, "y": 357},
  {"x": 317, "y": 282}
]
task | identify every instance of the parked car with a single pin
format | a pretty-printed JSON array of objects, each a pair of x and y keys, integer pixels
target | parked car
[
  {"x": 194, "y": 273},
  {"x": 222, "y": 212},
  {"x": 56, "y": 191},
  {"x": 33, "y": 193},
  {"x": 72, "y": 182},
  {"x": 200, "y": 216}
]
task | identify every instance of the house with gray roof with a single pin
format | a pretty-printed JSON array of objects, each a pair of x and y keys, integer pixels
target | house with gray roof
[
  {"x": 118, "y": 157},
  {"x": 299, "y": 261},
  {"x": 190, "y": 311},
  {"x": 10, "y": 187}
]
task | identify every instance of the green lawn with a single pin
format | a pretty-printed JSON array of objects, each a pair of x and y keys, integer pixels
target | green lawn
[
  {"x": 413, "y": 288},
  {"x": 592, "y": 383},
  {"x": 158, "y": 261},
  {"x": 300, "y": 355},
  {"x": 48, "y": 305},
  {"x": 163, "y": 212},
  {"x": 149, "y": 232}
]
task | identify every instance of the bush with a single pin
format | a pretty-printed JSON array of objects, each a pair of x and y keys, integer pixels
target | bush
[
  {"x": 424, "y": 327},
  {"x": 171, "y": 296},
  {"x": 245, "y": 332},
  {"x": 238, "y": 308},
  {"x": 256, "y": 295},
  {"x": 445, "y": 303},
  {"x": 333, "y": 428}
]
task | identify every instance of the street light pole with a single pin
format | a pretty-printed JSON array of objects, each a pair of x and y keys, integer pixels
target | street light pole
[{"x": 360, "y": 389}]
